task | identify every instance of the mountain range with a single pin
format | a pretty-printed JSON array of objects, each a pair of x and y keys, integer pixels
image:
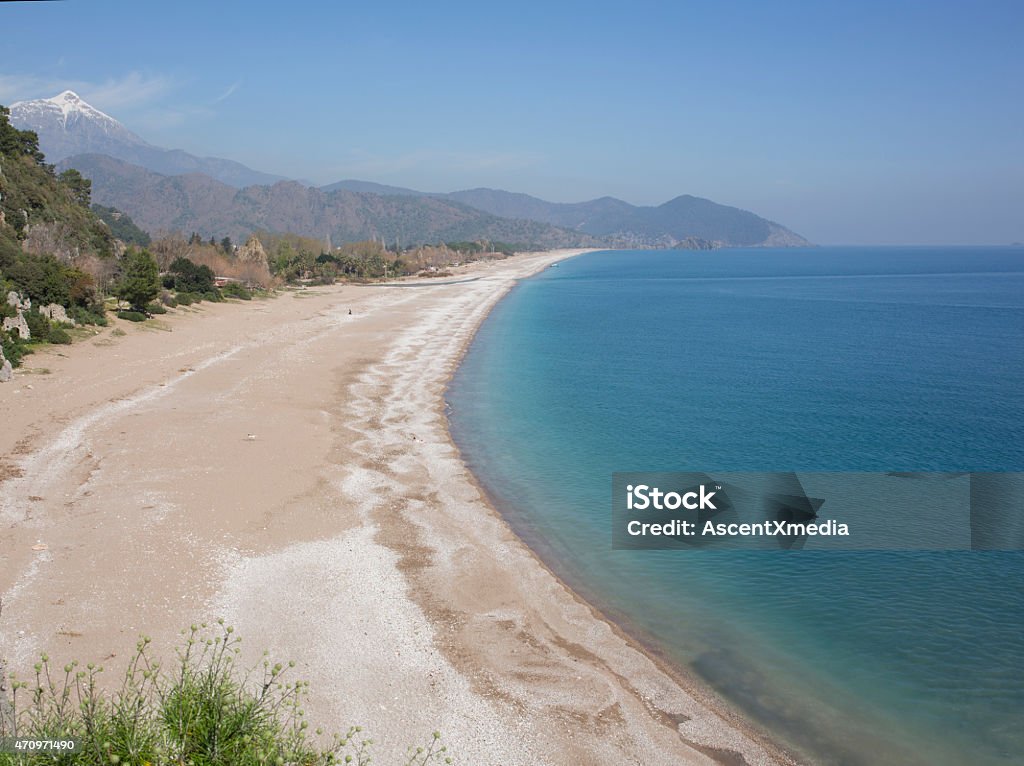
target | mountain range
[
  {"x": 163, "y": 190},
  {"x": 195, "y": 202}
]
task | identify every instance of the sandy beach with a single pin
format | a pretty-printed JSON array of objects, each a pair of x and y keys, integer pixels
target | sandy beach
[{"x": 286, "y": 464}]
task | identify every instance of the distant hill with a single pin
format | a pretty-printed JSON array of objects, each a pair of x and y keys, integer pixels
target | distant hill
[
  {"x": 195, "y": 202},
  {"x": 67, "y": 125},
  {"x": 607, "y": 218},
  {"x": 678, "y": 222},
  {"x": 369, "y": 187}
]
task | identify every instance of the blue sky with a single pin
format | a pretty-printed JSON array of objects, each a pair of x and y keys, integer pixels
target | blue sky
[{"x": 895, "y": 122}]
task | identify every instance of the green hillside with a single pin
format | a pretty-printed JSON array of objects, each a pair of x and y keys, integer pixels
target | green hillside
[{"x": 52, "y": 246}]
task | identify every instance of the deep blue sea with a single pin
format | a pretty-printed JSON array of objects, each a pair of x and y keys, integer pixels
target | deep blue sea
[{"x": 834, "y": 359}]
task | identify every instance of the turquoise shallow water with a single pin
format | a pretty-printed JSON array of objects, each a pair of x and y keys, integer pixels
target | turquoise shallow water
[{"x": 834, "y": 359}]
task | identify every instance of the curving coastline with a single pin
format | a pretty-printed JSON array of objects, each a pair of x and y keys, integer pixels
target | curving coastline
[{"x": 349, "y": 535}]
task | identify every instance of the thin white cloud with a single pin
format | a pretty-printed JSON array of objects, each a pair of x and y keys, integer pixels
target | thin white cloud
[
  {"x": 14, "y": 87},
  {"x": 227, "y": 94},
  {"x": 132, "y": 90}
]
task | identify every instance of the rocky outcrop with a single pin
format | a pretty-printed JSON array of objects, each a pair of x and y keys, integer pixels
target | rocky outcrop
[
  {"x": 56, "y": 313},
  {"x": 696, "y": 243},
  {"x": 780, "y": 236},
  {"x": 252, "y": 252},
  {"x": 17, "y": 322},
  {"x": 52, "y": 237},
  {"x": 18, "y": 325},
  {"x": 6, "y": 370},
  {"x": 15, "y": 300}
]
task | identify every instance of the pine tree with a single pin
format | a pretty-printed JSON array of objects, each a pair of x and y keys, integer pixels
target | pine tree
[{"x": 140, "y": 279}]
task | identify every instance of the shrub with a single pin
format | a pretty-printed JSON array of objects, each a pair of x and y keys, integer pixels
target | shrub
[
  {"x": 132, "y": 316},
  {"x": 203, "y": 710},
  {"x": 14, "y": 348},
  {"x": 82, "y": 315},
  {"x": 236, "y": 290},
  {"x": 187, "y": 299},
  {"x": 213, "y": 296},
  {"x": 187, "y": 276},
  {"x": 156, "y": 308},
  {"x": 38, "y": 326},
  {"x": 59, "y": 335}
]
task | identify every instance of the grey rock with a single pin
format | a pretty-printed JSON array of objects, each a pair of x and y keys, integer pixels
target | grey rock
[
  {"x": 15, "y": 299},
  {"x": 252, "y": 252},
  {"x": 56, "y": 313},
  {"x": 6, "y": 371},
  {"x": 18, "y": 324}
]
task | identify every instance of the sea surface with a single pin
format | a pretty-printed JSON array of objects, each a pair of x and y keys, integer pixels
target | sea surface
[{"x": 830, "y": 359}]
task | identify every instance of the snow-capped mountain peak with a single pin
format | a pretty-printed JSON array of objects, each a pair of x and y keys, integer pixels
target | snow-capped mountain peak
[
  {"x": 67, "y": 125},
  {"x": 70, "y": 103}
]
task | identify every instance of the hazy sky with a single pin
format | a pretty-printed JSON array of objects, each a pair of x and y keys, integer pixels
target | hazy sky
[{"x": 849, "y": 122}]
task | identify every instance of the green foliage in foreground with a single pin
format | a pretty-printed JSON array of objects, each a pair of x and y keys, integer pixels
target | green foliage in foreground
[{"x": 202, "y": 711}]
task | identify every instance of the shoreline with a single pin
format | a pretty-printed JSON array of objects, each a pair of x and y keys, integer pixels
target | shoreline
[
  {"x": 351, "y": 534},
  {"x": 695, "y": 686},
  {"x": 692, "y": 683}
]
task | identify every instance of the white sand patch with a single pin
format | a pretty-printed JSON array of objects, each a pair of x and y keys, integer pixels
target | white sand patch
[{"x": 339, "y": 609}]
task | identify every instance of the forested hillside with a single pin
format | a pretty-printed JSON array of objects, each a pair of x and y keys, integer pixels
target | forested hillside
[{"x": 54, "y": 251}]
